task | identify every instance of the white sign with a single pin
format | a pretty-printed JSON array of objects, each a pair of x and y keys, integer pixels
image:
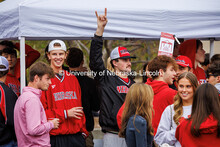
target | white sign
[{"x": 166, "y": 44}]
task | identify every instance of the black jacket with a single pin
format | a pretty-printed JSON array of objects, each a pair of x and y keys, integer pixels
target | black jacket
[
  {"x": 90, "y": 99},
  {"x": 7, "y": 102},
  {"x": 112, "y": 89}
]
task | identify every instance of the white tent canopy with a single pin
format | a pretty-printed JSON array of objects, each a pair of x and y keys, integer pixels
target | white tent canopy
[{"x": 139, "y": 19}]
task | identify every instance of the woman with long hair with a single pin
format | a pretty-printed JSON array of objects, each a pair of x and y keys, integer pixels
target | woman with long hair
[
  {"x": 187, "y": 84},
  {"x": 203, "y": 126},
  {"x": 136, "y": 124}
]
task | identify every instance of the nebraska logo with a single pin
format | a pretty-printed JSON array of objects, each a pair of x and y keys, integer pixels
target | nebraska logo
[
  {"x": 65, "y": 95},
  {"x": 122, "y": 89}
]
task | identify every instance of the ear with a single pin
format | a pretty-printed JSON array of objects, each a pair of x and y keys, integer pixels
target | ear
[
  {"x": 36, "y": 78},
  {"x": 65, "y": 55},
  {"x": 48, "y": 55},
  {"x": 114, "y": 63},
  {"x": 161, "y": 73}
]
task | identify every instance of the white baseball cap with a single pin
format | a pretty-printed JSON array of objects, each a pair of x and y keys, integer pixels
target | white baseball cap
[
  {"x": 120, "y": 52},
  {"x": 4, "y": 62},
  {"x": 52, "y": 47}
]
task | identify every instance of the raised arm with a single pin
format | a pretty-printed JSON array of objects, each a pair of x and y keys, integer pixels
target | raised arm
[{"x": 96, "y": 62}]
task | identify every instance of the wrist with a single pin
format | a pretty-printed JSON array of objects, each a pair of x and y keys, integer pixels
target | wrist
[{"x": 99, "y": 31}]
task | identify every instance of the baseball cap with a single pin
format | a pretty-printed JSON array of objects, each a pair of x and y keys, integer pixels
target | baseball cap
[
  {"x": 4, "y": 61},
  {"x": 51, "y": 45},
  {"x": 120, "y": 52},
  {"x": 183, "y": 61}
]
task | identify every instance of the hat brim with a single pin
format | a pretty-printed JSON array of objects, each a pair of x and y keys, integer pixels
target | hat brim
[
  {"x": 182, "y": 64},
  {"x": 127, "y": 57}
]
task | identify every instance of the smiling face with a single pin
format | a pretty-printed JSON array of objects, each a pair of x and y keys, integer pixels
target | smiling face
[
  {"x": 57, "y": 58},
  {"x": 185, "y": 91}
]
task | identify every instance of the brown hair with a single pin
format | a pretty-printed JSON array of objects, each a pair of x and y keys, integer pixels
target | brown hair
[
  {"x": 40, "y": 69},
  {"x": 178, "y": 103},
  {"x": 138, "y": 102},
  {"x": 160, "y": 62},
  {"x": 205, "y": 103}
]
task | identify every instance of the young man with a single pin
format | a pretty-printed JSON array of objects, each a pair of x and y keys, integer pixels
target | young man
[
  {"x": 163, "y": 71},
  {"x": 213, "y": 74},
  {"x": 63, "y": 101},
  {"x": 194, "y": 50},
  {"x": 31, "y": 56},
  {"x": 112, "y": 86},
  {"x": 31, "y": 125},
  {"x": 11, "y": 55},
  {"x": 184, "y": 65},
  {"x": 90, "y": 99},
  {"x": 7, "y": 102}
]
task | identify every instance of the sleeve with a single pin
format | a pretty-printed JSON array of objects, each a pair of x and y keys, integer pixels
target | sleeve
[
  {"x": 141, "y": 137},
  {"x": 164, "y": 133},
  {"x": 50, "y": 111},
  {"x": 136, "y": 132},
  {"x": 33, "y": 119},
  {"x": 96, "y": 63},
  {"x": 31, "y": 54},
  {"x": 119, "y": 116}
]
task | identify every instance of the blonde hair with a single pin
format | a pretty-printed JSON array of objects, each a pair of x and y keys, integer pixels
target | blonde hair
[
  {"x": 109, "y": 66},
  {"x": 138, "y": 102},
  {"x": 178, "y": 103}
]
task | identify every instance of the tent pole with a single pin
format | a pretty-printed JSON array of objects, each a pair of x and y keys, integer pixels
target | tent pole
[
  {"x": 22, "y": 62},
  {"x": 211, "y": 48}
]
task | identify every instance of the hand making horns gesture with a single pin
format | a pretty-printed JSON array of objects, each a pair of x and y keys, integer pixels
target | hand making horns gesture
[{"x": 101, "y": 22}]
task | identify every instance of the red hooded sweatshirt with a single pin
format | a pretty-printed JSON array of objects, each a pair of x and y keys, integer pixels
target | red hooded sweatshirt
[
  {"x": 188, "y": 48},
  {"x": 208, "y": 130},
  {"x": 163, "y": 96}
]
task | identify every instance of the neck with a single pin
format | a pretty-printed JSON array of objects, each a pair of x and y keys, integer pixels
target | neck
[
  {"x": 33, "y": 85},
  {"x": 3, "y": 79},
  {"x": 196, "y": 64},
  {"x": 187, "y": 102},
  {"x": 121, "y": 74},
  {"x": 159, "y": 79},
  {"x": 56, "y": 69},
  {"x": 11, "y": 71}
]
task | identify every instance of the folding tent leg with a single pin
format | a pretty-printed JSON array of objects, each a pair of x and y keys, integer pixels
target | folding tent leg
[
  {"x": 22, "y": 62},
  {"x": 211, "y": 48}
]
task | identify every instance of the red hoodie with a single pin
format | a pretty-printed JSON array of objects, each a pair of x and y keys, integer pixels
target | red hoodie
[
  {"x": 188, "y": 48},
  {"x": 208, "y": 130},
  {"x": 163, "y": 96}
]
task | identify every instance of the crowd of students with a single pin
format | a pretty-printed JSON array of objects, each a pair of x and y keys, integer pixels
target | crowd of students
[{"x": 174, "y": 106}]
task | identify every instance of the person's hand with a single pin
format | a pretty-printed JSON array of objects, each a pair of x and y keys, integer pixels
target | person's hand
[
  {"x": 75, "y": 112},
  {"x": 101, "y": 23},
  {"x": 55, "y": 122}
]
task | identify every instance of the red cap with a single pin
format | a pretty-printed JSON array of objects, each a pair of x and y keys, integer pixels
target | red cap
[
  {"x": 183, "y": 61},
  {"x": 120, "y": 52}
]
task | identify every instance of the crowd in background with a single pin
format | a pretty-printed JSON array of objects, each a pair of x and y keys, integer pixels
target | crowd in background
[{"x": 177, "y": 105}]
